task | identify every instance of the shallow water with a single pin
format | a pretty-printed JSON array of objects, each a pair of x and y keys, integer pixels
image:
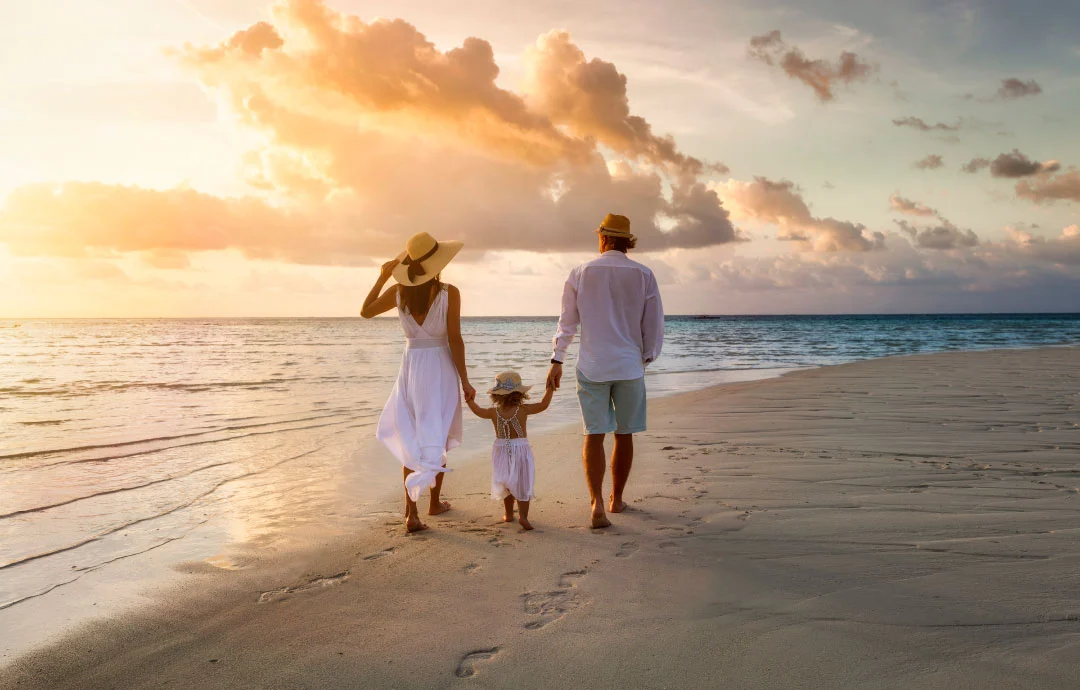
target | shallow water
[{"x": 118, "y": 437}]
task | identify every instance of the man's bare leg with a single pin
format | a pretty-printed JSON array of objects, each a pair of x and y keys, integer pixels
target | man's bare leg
[
  {"x": 622, "y": 457},
  {"x": 435, "y": 506},
  {"x": 508, "y": 509},
  {"x": 523, "y": 515},
  {"x": 592, "y": 453},
  {"x": 412, "y": 516}
]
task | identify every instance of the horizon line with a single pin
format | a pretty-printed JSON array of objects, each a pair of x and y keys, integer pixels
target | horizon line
[{"x": 543, "y": 316}]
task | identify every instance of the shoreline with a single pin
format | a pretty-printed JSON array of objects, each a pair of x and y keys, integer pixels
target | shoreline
[{"x": 721, "y": 474}]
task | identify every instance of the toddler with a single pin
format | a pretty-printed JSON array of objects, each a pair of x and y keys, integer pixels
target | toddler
[{"x": 511, "y": 457}]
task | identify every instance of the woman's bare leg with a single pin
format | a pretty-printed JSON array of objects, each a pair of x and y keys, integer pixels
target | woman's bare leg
[
  {"x": 508, "y": 509},
  {"x": 436, "y": 506},
  {"x": 412, "y": 515},
  {"x": 523, "y": 515}
]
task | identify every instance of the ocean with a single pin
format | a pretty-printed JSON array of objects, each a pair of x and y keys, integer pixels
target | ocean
[{"x": 120, "y": 437}]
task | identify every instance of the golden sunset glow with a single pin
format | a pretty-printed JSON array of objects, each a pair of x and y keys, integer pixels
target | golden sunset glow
[{"x": 196, "y": 158}]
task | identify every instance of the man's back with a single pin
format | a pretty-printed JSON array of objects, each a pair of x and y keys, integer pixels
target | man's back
[{"x": 616, "y": 301}]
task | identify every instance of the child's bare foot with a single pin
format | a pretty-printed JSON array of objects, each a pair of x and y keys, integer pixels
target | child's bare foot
[
  {"x": 617, "y": 506},
  {"x": 438, "y": 508},
  {"x": 525, "y": 524},
  {"x": 414, "y": 525}
]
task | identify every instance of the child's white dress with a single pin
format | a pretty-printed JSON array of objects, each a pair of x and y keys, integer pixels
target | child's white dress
[
  {"x": 513, "y": 468},
  {"x": 422, "y": 418}
]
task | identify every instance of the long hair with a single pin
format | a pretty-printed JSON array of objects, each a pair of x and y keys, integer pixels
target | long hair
[{"x": 417, "y": 298}]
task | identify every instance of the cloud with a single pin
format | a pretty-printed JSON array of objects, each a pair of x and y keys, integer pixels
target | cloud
[
  {"x": 975, "y": 165},
  {"x": 1064, "y": 249},
  {"x": 914, "y": 208},
  {"x": 944, "y": 236},
  {"x": 589, "y": 98},
  {"x": 905, "y": 277},
  {"x": 781, "y": 203},
  {"x": 371, "y": 133},
  {"x": 820, "y": 75},
  {"x": 921, "y": 125},
  {"x": 1016, "y": 164},
  {"x": 930, "y": 162},
  {"x": 1063, "y": 186},
  {"x": 1013, "y": 88}
]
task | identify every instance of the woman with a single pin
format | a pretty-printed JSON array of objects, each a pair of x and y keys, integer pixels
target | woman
[{"x": 422, "y": 418}]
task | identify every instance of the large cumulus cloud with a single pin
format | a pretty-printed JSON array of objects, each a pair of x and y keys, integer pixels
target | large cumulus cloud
[{"x": 372, "y": 133}]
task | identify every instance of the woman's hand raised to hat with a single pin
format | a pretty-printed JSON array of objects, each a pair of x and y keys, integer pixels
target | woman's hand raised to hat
[{"x": 388, "y": 268}]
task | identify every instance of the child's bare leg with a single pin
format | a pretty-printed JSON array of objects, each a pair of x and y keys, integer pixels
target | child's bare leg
[
  {"x": 412, "y": 515},
  {"x": 435, "y": 506},
  {"x": 508, "y": 509},
  {"x": 523, "y": 515}
]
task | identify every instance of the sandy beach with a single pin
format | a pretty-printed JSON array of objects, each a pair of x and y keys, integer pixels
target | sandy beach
[{"x": 905, "y": 522}]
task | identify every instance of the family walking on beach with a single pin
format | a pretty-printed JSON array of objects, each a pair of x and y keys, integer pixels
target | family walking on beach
[{"x": 616, "y": 303}]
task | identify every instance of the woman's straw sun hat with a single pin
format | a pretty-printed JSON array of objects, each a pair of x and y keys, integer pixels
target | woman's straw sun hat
[
  {"x": 508, "y": 382},
  {"x": 423, "y": 258}
]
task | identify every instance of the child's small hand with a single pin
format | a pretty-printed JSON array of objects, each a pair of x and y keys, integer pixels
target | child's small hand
[{"x": 549, "y": 385}]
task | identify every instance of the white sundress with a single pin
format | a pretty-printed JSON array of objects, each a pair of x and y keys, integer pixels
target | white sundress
[
  {"x": 422, "y": 418},
  {"x": 513, "y": 468}
]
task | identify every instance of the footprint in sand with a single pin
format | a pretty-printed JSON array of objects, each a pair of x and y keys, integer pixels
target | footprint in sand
[
  {"x": 379, "y": 554},
  {"x": 470, "y": 568},
  {"x": 626, "y": 549},
  {"x": 668, "y": 546},
  {"x": 314, "y": 583},
  {"x": 551, "y": 606},
  {"x": 466, "y": 668}
]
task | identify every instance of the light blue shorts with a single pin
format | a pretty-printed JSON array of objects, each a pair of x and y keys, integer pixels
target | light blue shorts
[{"x": 608, "y": 406}]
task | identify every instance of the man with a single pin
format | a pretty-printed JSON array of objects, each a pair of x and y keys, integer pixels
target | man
[{"x": 617, "y": 303}]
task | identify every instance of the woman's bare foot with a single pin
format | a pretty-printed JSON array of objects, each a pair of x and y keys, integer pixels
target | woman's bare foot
[
  {"x": 525, "y": 524},
  {"x": 508, "y": 518},
  {"x": 414, "y": 525},
  {"x": 438, "y": 508},
  {"x": 617, "y": 506}
]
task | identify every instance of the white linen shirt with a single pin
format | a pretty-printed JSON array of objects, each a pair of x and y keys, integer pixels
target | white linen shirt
[{"x": 616, "y": 301}]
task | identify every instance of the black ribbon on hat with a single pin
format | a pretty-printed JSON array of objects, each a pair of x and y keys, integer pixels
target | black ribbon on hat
[{"x": 416, "y": 266}]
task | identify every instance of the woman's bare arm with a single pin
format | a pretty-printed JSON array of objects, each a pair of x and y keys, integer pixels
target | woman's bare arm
[
  {"x": 537, "y": 408},
  {"x": 457, "y": 345},
  {"x": 374, "y": 303},
  {"x": 481, "y": 412}
]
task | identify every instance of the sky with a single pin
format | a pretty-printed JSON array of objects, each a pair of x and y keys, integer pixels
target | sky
[{"x": 226, "y": 158}]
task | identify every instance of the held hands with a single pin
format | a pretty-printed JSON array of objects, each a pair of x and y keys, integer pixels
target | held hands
[
  {"x": 554, "y": 377},
  {"x": 468, "y": 390}
]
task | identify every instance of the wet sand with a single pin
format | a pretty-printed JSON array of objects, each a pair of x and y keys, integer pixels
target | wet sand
[{"x": 908, "y": 522}]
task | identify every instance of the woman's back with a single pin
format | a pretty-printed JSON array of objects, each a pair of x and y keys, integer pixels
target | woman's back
[{"x": 429, "y": 325}]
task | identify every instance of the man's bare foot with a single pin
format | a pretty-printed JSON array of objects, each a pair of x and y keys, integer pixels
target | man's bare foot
[
  {"x": 525, "y": 524},
  {"x": 438, "y": 508},
  {"x": 508, "y": 518},
  {"x": 617, "y": 506},
  {"x": 599, "y": 521},
  {"x": 414, "y": 525}
]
